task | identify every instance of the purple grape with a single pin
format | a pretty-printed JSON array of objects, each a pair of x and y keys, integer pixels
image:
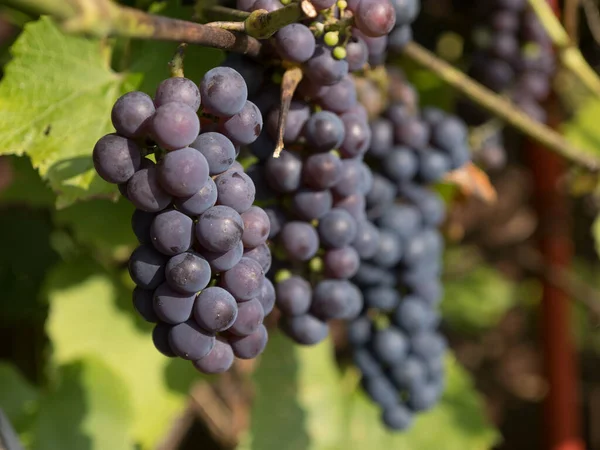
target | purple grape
[
  {"x": 298, "y": 114},
  {"x": 250, "y": 317},
  {"x": 322, "y": 68},
  {"x": 188, "y": 273},
  {"x": 340, "y": 97},
  {"x": 324, "y": 131},
  {"x": 183, "y": 172},
  {"x": 215, "y": 309},
  {"x": 331, "y": 299},
  {"x": 147, "y": 267},
  {"x": 218, "y": 151},
  {"x": 244, "y": 280},
  {"x": 178, "y": 90},
  {"x": 130, "y": 114},
  {"x": 160, "y": 339},
  {"x": 300, "y": 240},
  {"x": 175, "y": 125},
  {"x": 401, "y": 164},
  {"x": 236, "y": 190},
  {"x": 116, "y": 158},
  {"x": 171, "y": 306},
  {"x": 293, "y": 296},
  {"x": 220, "y": 262},
  {"x": 351, "y": 179},
  {"x": 304, "y": 329},
  {"x": 219, "y": 229},
  {"x": 141, "y": 221},
  {"x": 366, "y": 241},
  {"x": 142, "y": 302},
  {"x": 375, "y": 17},
  {"x": 357, "y": 54},
  {"x": 249, "y": 347},
  {"x": 196, "y": 204},
  {"x": 295, "y": 42},
  {"x": 341, "y": 262},
  {"x": 266, "y": 297},
  {"x": 322, "y": 171},
  {"x": 310, "y": 205},
  {"x": 283, "y": 174},
  {"x": 337, "y": 228},
  {"x": 256, "y": 227},
  {"x": 357, "y": 138},
  {"x": 262, "y": 255},
  {"x": 171, "y": 232},
  {"x": 224, "y": 92},
  {"x": 218, "y": 360},
  {"x": 244, "y": 127},
  {"x": 355, "y": 204},
  {"x": 189, "y": 341}
]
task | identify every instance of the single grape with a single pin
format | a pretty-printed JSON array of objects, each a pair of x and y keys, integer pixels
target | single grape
[
  {"x": 140, "y": 223},
  {"x": 218, "y": 360},
  {"x": 381, "y": 390},
  {"x": 244, "y": 127},
  {"x": 217, "y": 149},
  {"x": 404, "y": 220},
  {"x": 243, "y": 280},
  {"x": 300, "y": 240},
  {"x": 376, "y": 45},
  {"x": 399, "y": 37},
  {"x": 171, "y": 306},
  {"x": 171, "y": 232},
  {"x": 183, "y": 172},
  {"x": 337, "y": 228},
  {"x": 283, "y": 173},
  {"x": 131, "y": 113},
  {"x": 412, "y": 132},
  {"x": 408, "y": 375},
  {"x": 352, "y": 179},
  {"x": 277, "y": 218},
  {"x": 256, "y": 227},
  {"x": 188, "y": 273},
  {"x": 383, "y": 298},
  {"x": 178, "y": 90},
  {"x": 304, "y": 329},
  {"x": 175, "y": 125},
  {"x": 433, "y": 165},
  {"x": 427, "y": 344},
  {"x": 266, "y": 296},
  {"x": 142, "y": 302},
  {"x": 390, "y": 249},
  {"x": 412, "y": 315},
  {"x": 407, "y": 11},
  {"x": 215, "y": 309},
  {"x": 160, "y": 339},
  {"x": 375, "y": 17},
  {"x": 324, "y": 131},
  {"x": 196, "y": 204},
  {"x": 423, "y": 397},
  {"x": 293, "y": 296},
  {"x": 366, "y": 363},
  {"x": 189, "y": 341},
  {"x": 263, "y": 147},
  {"x": 390, "y": 346},
  {"x": 401, "y": 164},
  {"x": 397, "y": 418},
  {"x": 253, "y": 72},
  {"x": 357, "y": 138},
  {"x": 355, "y": 204},
  {"x": 224, "y": 92},
  {"x": 250, "y": 317},
  {"x": 357, "y": 54},
  {"x": 359, "y": 331},
  {"x": 341, "y": 262},
  {"x": 366, "y": 241},
  {"x": 260, "y": 254},
  {"x": 449, "y": 133},
  {"x": 147, "y": 267},
  {"x": 333, "y": 299},
  {"x": 322, "y": 68},
  {"x": 249, "y": 347},
  {"x": 220, "y": 262},
  {"x": 295, "y": 42},
  {"x": 340, "y": 97},
  {"x": 382, "y": 137},
  {"x": 236, "y": 190},
  {"x": 116, "y": 159},
  {"x": 219, "y": 229},
  {"x": 310, "y": 205}
]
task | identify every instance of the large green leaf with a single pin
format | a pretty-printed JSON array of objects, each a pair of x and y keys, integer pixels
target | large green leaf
[
  {"x": 18, "y": 398},
  {"x": 304, "y": 402},
  {"x": 477, "y": 300},
  {"x": 89, "y": 409},
  {"x": 55, "y": 102},
  {"x": 90, "y": 316}
]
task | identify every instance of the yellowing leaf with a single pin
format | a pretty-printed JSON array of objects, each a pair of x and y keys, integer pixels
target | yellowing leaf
[{"x": 473, "y": 182}]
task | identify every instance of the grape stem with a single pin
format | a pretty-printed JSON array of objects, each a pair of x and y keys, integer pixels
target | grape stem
[
  {"x": 569, "y": 54},
  {"x": 102, "y": 18},
  {"x": 500, "y": 107},
  {"x": 291, "y": 79},
  {"x": 259, "y": 24}
]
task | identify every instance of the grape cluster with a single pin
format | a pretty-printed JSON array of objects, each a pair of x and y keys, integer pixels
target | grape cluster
[
  {"x": 395, "y": 342},
  {"x": 514, "y": 56},
  {"x": 200, "y": 267}
]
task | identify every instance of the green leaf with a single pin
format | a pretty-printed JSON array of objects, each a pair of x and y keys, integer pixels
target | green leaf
[
  {"x": 18, "y": 398},
  {"x": 26, "y": 187},
  {"x": 582, "y": 130},
  {"x": 91, "y": 315},
  {"x": 301, "y": 394},
  {"x": 478, "y": 300},
  {"x": 55, "y": 102},
  {"x": 89, "y": 409}
]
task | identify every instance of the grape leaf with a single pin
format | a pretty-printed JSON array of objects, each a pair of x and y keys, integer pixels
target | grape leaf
[
  {"x": 302, "y": 394},
  {"x": 90, "y": 408},
  {"x": 55, "y": 102},
  {"x": 18, "y": 398},
  {"x": 90, "y": 315}
]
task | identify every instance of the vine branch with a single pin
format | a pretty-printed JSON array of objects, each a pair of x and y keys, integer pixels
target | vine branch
[
  {"x": 102, "y": 18},
  {"x": 500, "y": 107}
]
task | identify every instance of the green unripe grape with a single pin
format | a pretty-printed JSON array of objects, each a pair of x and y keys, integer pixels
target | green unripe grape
[
  {"x": 342, "y": 4},
  {"x": 331, "y": 38},
  {"x": 339, "y": 53}
]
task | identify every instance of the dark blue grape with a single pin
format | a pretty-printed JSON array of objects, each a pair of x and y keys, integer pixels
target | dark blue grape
[
  {"x": 382, "y": 138},
  {"x": 145, "y": 192},
  {"x": 433, "y": 165},
  {"x": 380, "y": 390},
  {"x": 260, "y": 254},
  {"x": 404, "y": 220},
  {"x": 142, "y": 302},
  {"x": 179, "y": 90},
  {"x": 355, "y": 204},
  {"x": 304, "y": 329},
  {"x": 131, "y": 113},
  {"x": 224, "y": 92},
  {"x": 341, "y": 262},
  {"x": 171, "y": 306},
  {"x": 249, "y": 347},
  {"x": 183, "y": 172},
  {"x": 337, "y": 229},
  {"x": 293, "y": 296},
  {"x": 146, "y": 267},
  {"x": 366, "y": 363},
  {"x": 116, "y": 158},
  {"x": 357, "y": 54},
  {"x": 295, "y": 42},
  {"x": 390, "y": 249},
  {"x": 174, "y": 125},
  {"x": 366, "y": 241},
  {"x": 397, "y": 418},
  {"x": 384, "y": 298},
  {"x": 252, "y": 71},
  {"x": 372, "y": 275},
  {"x": 244, "y": 127},
  {"x": 219, "y": 229},
  {"x": 331, "y": 299},
  {"x": 322, "y": 171},
  {"x": 412, "y": 315},
  {"x": 160, "y": 339},
  {"x": 401, "y": 164},
  {"x": 196, "y": 204},
  {"x": 236, "y": 190},
  {"x": 322, "y": 68},
  {"x": 409, "y": 374},
  {"x": 340, "y": 97},
  {"x": 171, "y": 232},
  {"x": 399, "y": 37},
  {"x": 298, "y": 114},
  {"x": 189, "y": 341},
  {"x": 266, "y": 297},
  {"x": 360, "y": 331},
  {"x": 375, "y": 17},
  {"x": 218, "y": 360},
  {"x": 300, "y": 240},
  {"x": 215, "y": 309},
  {"x": 217, "y": 149},
  {"x": 390, "y": 346},
  {"x": 284, "y": 173},
  {"x": 188, "y": 272},
  {"x": 357, "y": 137},
  {"x": 220, "y": 262},
  {"x": 310, "y": 205},
  {"x": 324, "y": 131},
  {"x": 250, "y": 316},
  {"x": 140, "y": 223},
  {"x": 243, "y": 280}
]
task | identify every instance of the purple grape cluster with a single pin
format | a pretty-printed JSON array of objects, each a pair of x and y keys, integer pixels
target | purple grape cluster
[
  {"x": 514, "y": 56},
  {"x": 395, "y": 341},
  {"x": 200, "y": 267}
]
